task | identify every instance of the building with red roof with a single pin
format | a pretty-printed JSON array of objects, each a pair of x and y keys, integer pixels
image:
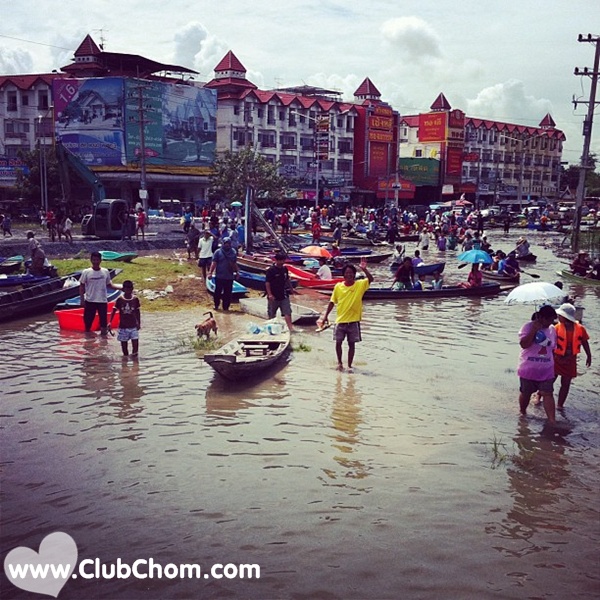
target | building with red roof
[{"x": 448, "y": 154}]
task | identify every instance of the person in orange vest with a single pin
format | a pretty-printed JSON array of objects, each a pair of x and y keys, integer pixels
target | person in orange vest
[{"x": 571, "y": 337}]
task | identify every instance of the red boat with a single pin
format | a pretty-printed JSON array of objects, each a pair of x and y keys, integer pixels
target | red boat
[{"x": 310, "y": 280}]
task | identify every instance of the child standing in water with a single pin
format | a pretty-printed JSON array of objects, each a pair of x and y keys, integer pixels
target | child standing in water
[{"x": 128, "y": 306}]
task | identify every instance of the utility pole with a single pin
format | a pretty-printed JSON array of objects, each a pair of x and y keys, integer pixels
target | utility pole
[{"x": 587, "y": 134}]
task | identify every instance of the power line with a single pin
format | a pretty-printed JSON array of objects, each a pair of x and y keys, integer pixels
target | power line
[{"x": 32, "y": 42}]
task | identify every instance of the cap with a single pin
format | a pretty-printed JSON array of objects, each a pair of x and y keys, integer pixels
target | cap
[
  {"x": 226, "y": 240},
  {"x": 567, "y": 311}
]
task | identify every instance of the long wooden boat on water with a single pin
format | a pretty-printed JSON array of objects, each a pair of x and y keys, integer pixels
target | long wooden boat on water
[
  {"x": 527, "y": 258},
  {"x": 450, "y": 291},
  {"x": 42, "y": 297},
  {"x": 251, "y": 353},
  {"x": 505, "y": 279},
  {"x": 578, "y": 278},
  {"x": 21, "y": 279},
  {"x": 422, "y": 269},
  {"x": 258, "y": 308},
  {"x": 11, "y": 264},
  {"x": 38, "y": 298},
  {"x": 310, "y": 280},
  {"x": 237, "y": 290}
]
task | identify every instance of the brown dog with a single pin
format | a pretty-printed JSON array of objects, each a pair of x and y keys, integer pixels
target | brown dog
[{"x": 209, "y": 324}]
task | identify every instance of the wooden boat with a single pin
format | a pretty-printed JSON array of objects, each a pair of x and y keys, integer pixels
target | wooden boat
[
  {"x": 118, "y": 256},
  {"x": 22, "y": 279},
  {"x": 237, "y": 291},
  {"x": 451, "y": 291},
  {"x": 38, "y": 298},
  {"x": 11, "y": 264},
  {"x": 42, "y": 297},
  {"x": 254, "y": 264},
  {"x": 256, "y": 281},
  {"x": 505, "y": 279},
  {"x": 75, "y": 302},
  {"x": 306, "y": 279},
  {"x": 578, "y": 278},
  {"x": 421, "y": 269},
  {"x": 258, "y": 308},
  {"x": 250, "y": 354},
  {"x": 527, "y": 258}
]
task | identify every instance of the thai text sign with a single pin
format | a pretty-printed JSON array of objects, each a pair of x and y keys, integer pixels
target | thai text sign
[{"x": 432, "y": 127}]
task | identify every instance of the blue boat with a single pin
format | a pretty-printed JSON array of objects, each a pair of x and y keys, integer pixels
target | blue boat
[
  {"x": 75, "y": 302},
  {"x": 238, "y": 288},
  {"x": 19, "y": 280},
  {"x": 11, "y": 264},
  {"x": 422, "y": 269}
]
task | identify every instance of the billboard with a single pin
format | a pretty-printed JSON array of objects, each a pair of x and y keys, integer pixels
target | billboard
[
  {"x": 432, "y": 127},
  {"x": 101, "y": 121},
  {"x": 420, "y": 171}
]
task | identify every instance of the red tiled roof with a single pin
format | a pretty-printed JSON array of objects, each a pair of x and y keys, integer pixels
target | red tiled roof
[
  {"x": 367, "y": 88},
  {"x": 26, "y": 82},
  {"x": 547, "y": 121},
  {"x": 441, "y": 103},
  {"x": 516, "y": 129},
  {"x": 88, "y": 47},
  {"x": 233, "y": 82},
  {"x": 230, "y": 62},
  {"x": 411, "y": 121}
]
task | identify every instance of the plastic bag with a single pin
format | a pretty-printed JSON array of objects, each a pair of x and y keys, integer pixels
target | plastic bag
[{"x": 70, "y": 282}]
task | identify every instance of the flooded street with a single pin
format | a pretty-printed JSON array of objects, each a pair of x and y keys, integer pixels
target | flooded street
[{"x": 412, "y": 478}]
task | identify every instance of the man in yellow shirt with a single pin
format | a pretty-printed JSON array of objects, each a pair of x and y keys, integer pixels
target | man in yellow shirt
[{"x": 347, "y": 297}]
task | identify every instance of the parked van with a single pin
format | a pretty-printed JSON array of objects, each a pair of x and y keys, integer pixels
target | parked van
[{"x": 170, "y": 207}]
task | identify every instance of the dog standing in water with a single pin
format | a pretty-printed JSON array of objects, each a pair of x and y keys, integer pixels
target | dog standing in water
[{"x": 209, "y": 324}]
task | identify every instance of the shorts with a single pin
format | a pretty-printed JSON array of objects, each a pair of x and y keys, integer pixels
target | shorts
[
  {"x": 204, "y": 262},
  {"x": 529, "y": 386},
  {"x": 125, "y": 335},
  {"x": 350, "y": 331},
  {"x": 283, "y": 305},
  {"x": 565, "y": 366}
]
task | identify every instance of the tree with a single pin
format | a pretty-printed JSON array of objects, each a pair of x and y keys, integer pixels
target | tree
[
  {"x": 235, "y": 171},
  {"x": 29, "y": 185},
  {"x": 570, "y": 178}
]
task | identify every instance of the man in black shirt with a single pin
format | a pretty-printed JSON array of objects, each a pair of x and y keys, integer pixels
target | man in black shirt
[{"x": 279, "y": 288}]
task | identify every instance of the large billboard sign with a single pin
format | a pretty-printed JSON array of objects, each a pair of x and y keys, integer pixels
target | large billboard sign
[
  {"x": 101, "y": 120},
  {"x": 432, "y": 127}
]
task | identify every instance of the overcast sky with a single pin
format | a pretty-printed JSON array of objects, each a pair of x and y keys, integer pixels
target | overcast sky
[{"x": 507, "y": 60}]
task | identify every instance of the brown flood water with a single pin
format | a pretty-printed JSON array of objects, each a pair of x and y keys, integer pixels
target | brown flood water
[{"x": 378, "y": 484}]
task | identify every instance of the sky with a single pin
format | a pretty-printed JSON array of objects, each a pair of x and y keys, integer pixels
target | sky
[{"x": 504, "y": 60}]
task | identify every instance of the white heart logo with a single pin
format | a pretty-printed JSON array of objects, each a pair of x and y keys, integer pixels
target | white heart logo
[{"x": 46, "y": 571}]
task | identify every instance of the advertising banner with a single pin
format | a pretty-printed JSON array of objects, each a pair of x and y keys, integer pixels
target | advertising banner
[
  {"x": 100, "y": 121},
  {"x": 432, "y": 127},
  {"x": 179, "y": 123},
  {"x": 378, "y": 164},
  {"x": 454, "y": 161},
  {"x": 10, "y": 167},
  {"x": 88, "y": 116},
  {"x": 421, "y": 171}
]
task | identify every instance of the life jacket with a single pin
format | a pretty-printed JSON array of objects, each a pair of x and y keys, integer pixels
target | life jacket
[{"x": 561, "y": 338}]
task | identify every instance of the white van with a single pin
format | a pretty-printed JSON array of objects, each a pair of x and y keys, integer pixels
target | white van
[{"x": 170, "y": 207}]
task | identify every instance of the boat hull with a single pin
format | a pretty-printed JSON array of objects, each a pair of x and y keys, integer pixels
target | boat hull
[
  {"x": 578, "y": 278},
  {"x": 249, "y": 355},
  {"x": 422, "y": 269},
  {"x": 118, "y": 256},
  {"x": 487, "y": 289},
  {"x": 237, "y": 291},
  {"x": 257, "y": 307}
]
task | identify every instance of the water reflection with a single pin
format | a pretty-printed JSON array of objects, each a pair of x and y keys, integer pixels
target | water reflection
[
  {"x": 537, "y": 473},
  {"x": 131, "y": 392},
  {"x": 346, "y": 419}
]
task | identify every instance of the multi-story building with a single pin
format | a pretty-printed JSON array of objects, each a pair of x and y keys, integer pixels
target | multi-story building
[
  {"x": 447, "y": 154},
  {"x": 33, "y": 108},
  {"x": 324, "y": 145}
]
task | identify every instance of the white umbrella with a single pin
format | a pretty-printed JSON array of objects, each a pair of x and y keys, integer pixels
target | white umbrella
[{"x": 537, "y": 292}]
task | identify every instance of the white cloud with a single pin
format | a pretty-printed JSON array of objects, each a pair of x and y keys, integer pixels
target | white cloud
[
  {"x": 14, "y": 62},
  {"x": 412, "y": 37},
  {"x": 508, "y": 98}
]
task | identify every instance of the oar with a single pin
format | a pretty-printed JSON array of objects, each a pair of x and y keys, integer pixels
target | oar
[{"x": 534, "y": 275}]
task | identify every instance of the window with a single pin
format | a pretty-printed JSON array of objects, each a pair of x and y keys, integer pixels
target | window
[
  {"x": 307, "y": 143},
  {"x": 11, "y": 102},
  {"x": 236, "y": 109},
  {"x": 288, "y": 142},
  {"x": 43, "y": 100},
  {"x": 25, "y": 99},
  {"x": 260, "y": 112},
  {"x": 345, "y": 145},
  {"x": 344, "y": 166},
  {"x": 419, "y": 153}
]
